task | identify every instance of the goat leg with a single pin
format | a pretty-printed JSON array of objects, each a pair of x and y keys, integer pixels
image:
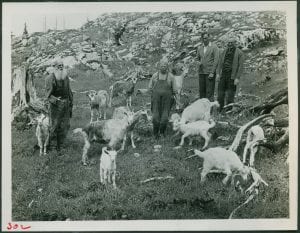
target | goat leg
[
  {"x": 46, "y": 143},
  {"x": 86, "y": 147},
  {"x": 124, "y": 142},
  {"x": 113, "y": 176},
  {"x": 132, "y": 141}
]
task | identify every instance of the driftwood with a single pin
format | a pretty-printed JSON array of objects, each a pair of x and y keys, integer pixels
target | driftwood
[
  {"x": 278, "y": 98},
  {"x": 280, "y": 143},
  {"x": 252, "y": 190},
  {"x": 238, "y": 137}
]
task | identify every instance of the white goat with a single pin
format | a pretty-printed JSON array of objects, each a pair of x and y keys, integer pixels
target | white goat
[
  {"x": 99, "y": 102},
  {"x": 254, "y": 137},
  {"x": 43, "y": 132},
  {"x": 192, "y": 129},
  {"x": 224, "y": 160},
  {"x": 178, "y": 83},
  {"x": 198, "y": 110},
  {"x": 125, "y": 88},
  {"x": 108, "y": 166}
]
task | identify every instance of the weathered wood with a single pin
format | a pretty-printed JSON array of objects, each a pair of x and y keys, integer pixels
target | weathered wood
[{"x": 274, "y": 100}]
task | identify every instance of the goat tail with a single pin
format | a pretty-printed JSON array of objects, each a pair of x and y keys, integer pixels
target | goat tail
[{"x": 111, "y": 89}]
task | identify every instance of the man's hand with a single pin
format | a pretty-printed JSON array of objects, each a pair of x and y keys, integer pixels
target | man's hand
[
  {"x": 236, "y": 82},
  {"x": 210, "y": 76}
]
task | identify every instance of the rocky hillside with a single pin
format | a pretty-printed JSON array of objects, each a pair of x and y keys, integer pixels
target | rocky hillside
[{"x": 146, "y": 37}]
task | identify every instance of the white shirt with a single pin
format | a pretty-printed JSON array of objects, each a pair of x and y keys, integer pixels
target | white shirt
[{"x": 205, "y": 47}]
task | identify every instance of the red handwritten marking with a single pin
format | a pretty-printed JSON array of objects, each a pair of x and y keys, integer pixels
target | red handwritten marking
[{"x": 15, "y": 226}]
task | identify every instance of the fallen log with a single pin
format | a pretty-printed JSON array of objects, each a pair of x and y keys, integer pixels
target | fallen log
[{"x": 274, "y": 100}]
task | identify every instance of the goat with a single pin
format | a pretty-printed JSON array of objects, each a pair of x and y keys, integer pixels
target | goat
[
  {"x": 43, "y": 132},
  {"x": 108, "y": 166},
  {"x": 198, "y": 110},
  {"x": 99, "y": 102},
  {"x": 255, "y": 135},
  {"x": 224, "y": 160},
  {"x": 178, "y": 83},
  {"x": 194, "y": 128},
  {"x": 125, "y": 88},
  {"x": 110, "y": 132},
  {"x": 123, "y": 112}
]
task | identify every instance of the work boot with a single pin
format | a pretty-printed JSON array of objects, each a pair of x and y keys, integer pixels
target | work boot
[
  {"x": 162, "y": 129},
  {"x": 156, "y": 130}
]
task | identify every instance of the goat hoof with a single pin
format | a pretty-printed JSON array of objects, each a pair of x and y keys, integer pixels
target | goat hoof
[{"x": 84, "y": 164}]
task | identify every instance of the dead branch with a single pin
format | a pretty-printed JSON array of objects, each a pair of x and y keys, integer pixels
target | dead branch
[
  {"x": 238, "y": 137},
  {"x": 283, "y": 122},
  {"x": 157, "y": 178},
  {"x": 279, "y": 144},
  {"x": 278, "y": 98},
  {"x": 250, "y": 198}
]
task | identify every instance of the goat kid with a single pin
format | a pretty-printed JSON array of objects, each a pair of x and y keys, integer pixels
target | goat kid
[
  {"x": 108, "y": 166},
  {"x": 224, "y": 160},
  {"x": 99, "y": 102},
  {"x": 255, "y": 136},
  {"x": 193, "y": 129},
  {"x": 43, "y": 132}
]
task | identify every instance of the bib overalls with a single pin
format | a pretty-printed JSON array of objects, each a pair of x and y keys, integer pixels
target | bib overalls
[{"x": 161, "y": 105}]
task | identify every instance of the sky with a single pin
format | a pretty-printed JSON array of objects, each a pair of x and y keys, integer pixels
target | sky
[
  {"x": 35, "y": 23},
  {"x": 14, "y": 15}
]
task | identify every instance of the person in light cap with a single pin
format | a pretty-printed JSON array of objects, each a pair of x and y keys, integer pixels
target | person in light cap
[
  {"x": 229, "y": 71},
  {"x": 161, "y": 88},
  {"x": 60, "y": 97}
]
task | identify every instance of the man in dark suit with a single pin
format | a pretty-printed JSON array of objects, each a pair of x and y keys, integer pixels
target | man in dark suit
[
  {"x": 229, "y": 72},
  {"x": 208, "y": 56}
]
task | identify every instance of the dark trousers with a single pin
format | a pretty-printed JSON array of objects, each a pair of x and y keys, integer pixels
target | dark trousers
[
  {"x": 206, "y": 86},
  {"x": 226, "y": 84},
  {"x": 59, "y": 121},
  {"x": 161, "y": 105}
]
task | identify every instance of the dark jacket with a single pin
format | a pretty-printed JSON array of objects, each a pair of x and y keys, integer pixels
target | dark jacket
[{"x": 237, "y": 64}]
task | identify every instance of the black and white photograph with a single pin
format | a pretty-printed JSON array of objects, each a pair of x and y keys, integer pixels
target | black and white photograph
[{"x": 149, "y": 116}]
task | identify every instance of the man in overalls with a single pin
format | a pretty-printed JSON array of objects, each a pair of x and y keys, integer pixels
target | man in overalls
[
  {"x": 161, "y": 89},
  {"x": 60, "y": 97}
]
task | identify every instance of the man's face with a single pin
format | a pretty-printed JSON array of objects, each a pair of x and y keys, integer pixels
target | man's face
[
  {"x": 205, "y": 39},
  {"x": 60, "y": 67},
  {"x": 230, "y": 44},
  {"x": 163, "y": 68}
]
